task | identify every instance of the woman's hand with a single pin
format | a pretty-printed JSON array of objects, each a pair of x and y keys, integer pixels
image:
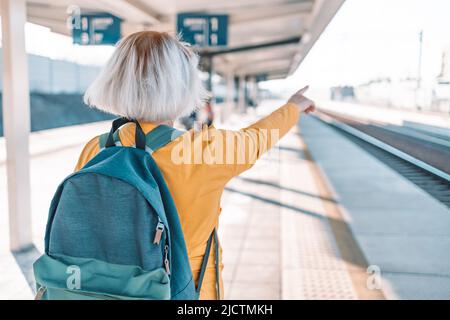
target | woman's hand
[{"x": 306, "y": 105}]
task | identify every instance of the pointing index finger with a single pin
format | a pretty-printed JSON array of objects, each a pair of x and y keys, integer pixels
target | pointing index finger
[{"x": 303, "y": 90}]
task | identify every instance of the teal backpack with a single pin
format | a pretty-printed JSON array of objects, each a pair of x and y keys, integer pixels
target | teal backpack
[{"x": 113, "y": 231}]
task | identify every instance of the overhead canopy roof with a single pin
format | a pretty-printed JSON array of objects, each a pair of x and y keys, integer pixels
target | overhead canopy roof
[{"x": 265, "y": 37}]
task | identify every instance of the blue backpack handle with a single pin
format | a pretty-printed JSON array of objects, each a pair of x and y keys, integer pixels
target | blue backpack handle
[{"x": 155, "y": 139}]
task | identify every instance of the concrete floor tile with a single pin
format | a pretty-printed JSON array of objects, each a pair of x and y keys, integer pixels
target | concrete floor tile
[
  {"x": 255, "y": 292},
  {"x": 254, "y": 274}
]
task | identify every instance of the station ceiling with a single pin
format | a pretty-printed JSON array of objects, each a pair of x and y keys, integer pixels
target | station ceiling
[{"x": 265, "y": 37}]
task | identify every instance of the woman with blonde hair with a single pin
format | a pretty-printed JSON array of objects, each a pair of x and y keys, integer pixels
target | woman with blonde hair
[{"x": 153, "y": 78}]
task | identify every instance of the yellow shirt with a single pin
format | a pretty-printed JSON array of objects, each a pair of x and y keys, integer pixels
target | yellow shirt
[{"x": 196, "y": 172}]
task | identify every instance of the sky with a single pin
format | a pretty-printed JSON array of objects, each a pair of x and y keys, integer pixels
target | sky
[
  {"x": 41, "y": 41},
  {"x": 367, "y": 39}
]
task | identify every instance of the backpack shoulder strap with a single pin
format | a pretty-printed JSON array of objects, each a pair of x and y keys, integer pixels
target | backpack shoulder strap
[
  {"x": 160, "y": 136},
  {"x": 102, "y": 140},
  {"x": 215, "y": 238}
]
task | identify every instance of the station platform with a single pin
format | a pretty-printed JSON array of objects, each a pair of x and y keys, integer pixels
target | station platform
[
  {"x": 281, "y": 233},
  {"x": 403, "y": 232},
  {"x": 315, "y": 218}
]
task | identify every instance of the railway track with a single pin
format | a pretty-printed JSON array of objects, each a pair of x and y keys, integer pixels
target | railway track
[{"x": 422, "y": 158}]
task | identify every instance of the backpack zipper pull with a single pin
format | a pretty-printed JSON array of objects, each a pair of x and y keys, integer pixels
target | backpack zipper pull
[
  {"x": 158, "y": 233},
  {"x": 40, "y": 293},
  {"x": 166, "y": 259}
]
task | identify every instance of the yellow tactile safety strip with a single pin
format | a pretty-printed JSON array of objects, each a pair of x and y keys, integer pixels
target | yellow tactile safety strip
[{"x": 350, "y": 251}]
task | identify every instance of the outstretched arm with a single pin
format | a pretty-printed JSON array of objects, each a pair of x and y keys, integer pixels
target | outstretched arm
[{"x": 248, "y": 144}]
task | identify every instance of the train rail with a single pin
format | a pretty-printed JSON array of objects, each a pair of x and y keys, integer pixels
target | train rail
[{"x": 418, "y": 155}]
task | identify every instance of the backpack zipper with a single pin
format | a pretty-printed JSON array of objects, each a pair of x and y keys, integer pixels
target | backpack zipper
[
  {"x": 42, "y": 290},
  {"x": 166, "y": 259},
  {"x": 159, "y": 232},
  {"x": 94, "y": 295}
]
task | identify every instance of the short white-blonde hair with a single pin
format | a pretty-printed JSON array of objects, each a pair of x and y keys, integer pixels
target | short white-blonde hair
[{"x": 151, "y": 76}]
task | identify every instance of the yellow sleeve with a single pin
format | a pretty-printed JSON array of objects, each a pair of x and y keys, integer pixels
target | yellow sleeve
[
  {"x": 89, "y": 151},
  {"x": 261, "y": 136},
  {"x": 237, "y": 151}
]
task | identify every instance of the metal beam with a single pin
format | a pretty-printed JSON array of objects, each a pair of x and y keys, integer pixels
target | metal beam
[
  {"x": 229, "y": 6},
  {"x": 130, "y": 10},
  {"x": 53, "y": 13},
  {"x": 16, "y": 121},
  {"x": 53, "y": 25},
  {"x": 241, "y": 94},
  {"x": 261, "y": 67},
  {"x": 262, "y": 13},
  {"x": 253, "y": 47},
  {"x": 239, "y": 64}
]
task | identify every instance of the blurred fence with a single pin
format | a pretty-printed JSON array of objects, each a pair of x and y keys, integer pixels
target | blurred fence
[{"x": 57, "y": 76}]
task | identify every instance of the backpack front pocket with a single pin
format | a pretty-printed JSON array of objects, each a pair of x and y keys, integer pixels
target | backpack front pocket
[{"x": 62, "y": 277}]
